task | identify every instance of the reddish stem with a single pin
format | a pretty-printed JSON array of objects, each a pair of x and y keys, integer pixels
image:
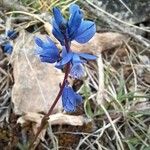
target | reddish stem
[{"x": 46, "y": 116}]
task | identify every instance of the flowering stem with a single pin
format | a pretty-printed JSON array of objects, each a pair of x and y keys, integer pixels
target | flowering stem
[{"x": 46, "y": 116}]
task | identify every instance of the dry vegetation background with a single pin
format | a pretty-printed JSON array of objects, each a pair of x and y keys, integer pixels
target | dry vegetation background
[{"x": 115, "y": 114}]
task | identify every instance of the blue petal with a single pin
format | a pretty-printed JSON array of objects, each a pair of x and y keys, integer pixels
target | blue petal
[
  {"x": 85, "y": 32},
  {"x": 78, "y": 98},
  {"x": 58, "y": 35},
  {"x": 38, "y": 41},
  {"x": 77, "y": 71},
  {"x": 52, "y": 58},
  {"x": 88, "y": 56},
  {"x": 58, "y": 16},
  {"x": 52, "y": 45},
  {"x": 11, "y": 34},
  {"x": 47, "y": 59},
  {"x": 7, "y": 48},
  {"x": 58, "y": 66},
  {"x": 59, "y": 25},
  {"x": 74, "y": 21},
  {"x": 70, "y": 99},
  {"x": 65, "y": 59},
  {"x": 76, "y": 58},
  {"x": 47, "y": 51},
  {"x": 50, "y": 41},
  {"x": 57, "y": 22},
  {"x": 64, "y": 53},
  {"x": 73, "y": 8}
]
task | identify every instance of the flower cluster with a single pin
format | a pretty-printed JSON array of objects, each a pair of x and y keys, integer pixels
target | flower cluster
[
  {"x": 6, "y": 41},
  {"x": 65, "y": 31}
]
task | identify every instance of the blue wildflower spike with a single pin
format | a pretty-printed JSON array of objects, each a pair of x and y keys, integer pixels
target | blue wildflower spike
[
  {"x": 65, "y": 31},
  {"x": 7, "y": 48},
  {"x": 70, "y": 99},
  {"x": 75, "y": 28},
  {"x": 47, "y": 51}
]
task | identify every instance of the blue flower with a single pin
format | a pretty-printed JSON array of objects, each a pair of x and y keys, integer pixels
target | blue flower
[
  {"x": 47, "y": 51},
  {"x": 77, "y": 71},
  {"x": 7, "y": 47},
  {"x": 76, "y": 60},
  {"x": 70, "y": 99},
  {"x": 75, "y": 28},
  {"x": 11, "y": 34}
]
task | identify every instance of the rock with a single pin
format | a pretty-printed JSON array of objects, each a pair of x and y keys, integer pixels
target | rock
[
  {"x": 120, "y": 16},
  {"x": 101, "y": 42},
  {"x": 36, "y": 83},
  {"x": 134, "y": 12}
]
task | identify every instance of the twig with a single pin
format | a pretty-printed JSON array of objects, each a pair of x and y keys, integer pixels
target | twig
[
  {"x": 28, "y": 14},
  {"x": 126, "y": 6},
  {"x": 113, "y": 126},
  {"x": 100, "y": 92}
]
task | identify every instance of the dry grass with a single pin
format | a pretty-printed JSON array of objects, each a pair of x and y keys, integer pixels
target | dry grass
[
  {"x": 126, "y": 108},
  {"x": 116, "y": 91}
]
